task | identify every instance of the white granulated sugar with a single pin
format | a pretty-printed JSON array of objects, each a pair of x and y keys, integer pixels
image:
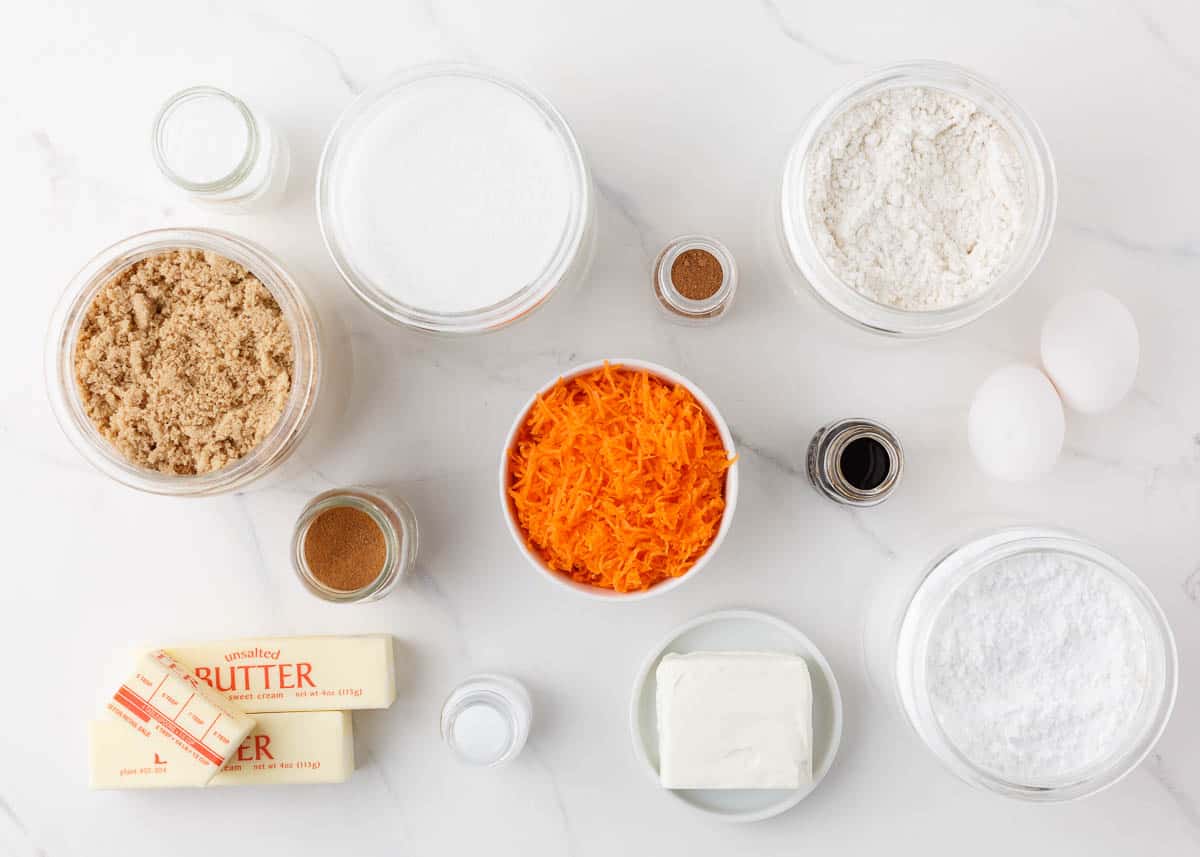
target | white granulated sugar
[
  {"x": 454, "y": 194},
  {"x": 1037, "y": 666},
  {"x": 915, "y": 198}
]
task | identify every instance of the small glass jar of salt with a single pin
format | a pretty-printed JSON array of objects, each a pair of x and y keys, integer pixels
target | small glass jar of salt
[
  {"x": 218, "y": 150},
  {"x": 485, "y": 721}
]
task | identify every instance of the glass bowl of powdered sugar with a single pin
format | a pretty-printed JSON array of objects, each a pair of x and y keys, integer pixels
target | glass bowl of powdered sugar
[
  {"x": 917, "y": 199},
  {"x": 1035, "y": 665}
]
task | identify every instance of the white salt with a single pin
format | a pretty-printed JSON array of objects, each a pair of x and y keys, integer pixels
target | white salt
[
  {"x": 204, "y": 138},
  {"x": 482, "y": 733}
]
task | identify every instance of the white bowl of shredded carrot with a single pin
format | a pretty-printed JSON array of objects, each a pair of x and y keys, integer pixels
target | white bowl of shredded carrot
[{"x": 619, "y": 480}]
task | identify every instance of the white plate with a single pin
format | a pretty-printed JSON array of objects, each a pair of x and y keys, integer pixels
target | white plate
[{"x": 740, "y": 631}]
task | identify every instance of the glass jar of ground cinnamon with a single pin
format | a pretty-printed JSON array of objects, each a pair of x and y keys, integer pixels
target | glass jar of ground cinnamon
[
  {"x": 695, "y": 279},
  {"x": 354, "y": 544}
]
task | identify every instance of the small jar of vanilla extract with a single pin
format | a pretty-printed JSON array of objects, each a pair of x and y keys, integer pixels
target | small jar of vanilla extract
[{"x": 855, "y": 461}]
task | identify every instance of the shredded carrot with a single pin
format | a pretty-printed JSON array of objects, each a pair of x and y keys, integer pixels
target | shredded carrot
[{"x": 617, "y": 478}]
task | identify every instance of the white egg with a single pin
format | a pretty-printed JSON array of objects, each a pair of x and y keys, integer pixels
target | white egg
[
  {"x": 1090, "y": 350},
  {"x": 1015, "y": 426}
]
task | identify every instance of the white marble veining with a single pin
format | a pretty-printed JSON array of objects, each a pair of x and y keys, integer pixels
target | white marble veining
[{"x": 685, "y": 111}]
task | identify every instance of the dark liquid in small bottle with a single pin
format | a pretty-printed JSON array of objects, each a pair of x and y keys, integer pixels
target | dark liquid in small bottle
[{"x": 865, "y": 463}]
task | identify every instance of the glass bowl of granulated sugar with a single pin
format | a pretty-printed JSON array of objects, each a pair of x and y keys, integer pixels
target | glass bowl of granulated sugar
[
  {"x": 917, "y": 199},
  {"x": 1035, "y": 665},
  {"x": 454, "y": 200}
]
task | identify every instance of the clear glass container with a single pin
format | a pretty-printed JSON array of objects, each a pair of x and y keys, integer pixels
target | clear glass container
[
  {"x": 395, "y": 520},
  {"x": 64, "y": 333},
  {"x": 486, "y": 720},
  {"x": 567, "y": 265},
  {"x": 678, "y": 306},
  {"x": 920, "y": 619},
  {"x": 218, "y": 150},
  {"x": 791, "y": 223}
]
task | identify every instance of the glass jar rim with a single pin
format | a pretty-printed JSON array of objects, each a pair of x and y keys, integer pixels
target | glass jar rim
[
  {"x": 63, "y": 335},
  {"x": 515, "y": 306},
  {"x": 240, "y": 170},
  {"x": 796, "y": 233},
  {"x": 831, "y": 442},
  {"x": 675, "y": 248},
  {"x": 504, "y": 693},
  {"x": 950, "y": 571}
]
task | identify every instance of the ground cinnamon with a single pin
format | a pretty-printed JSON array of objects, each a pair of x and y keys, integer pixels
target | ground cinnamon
[
  {"x": 697, "y": 274},
  {"x": 345, "y": 549}
]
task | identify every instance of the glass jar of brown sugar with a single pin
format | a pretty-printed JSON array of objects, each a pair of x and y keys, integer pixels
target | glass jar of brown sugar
[
  {"x": 354, "y": 544},
  {"x": 695, "y": 279}
]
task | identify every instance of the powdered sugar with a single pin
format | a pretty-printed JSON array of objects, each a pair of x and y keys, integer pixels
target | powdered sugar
[
  {"x": 1037, "y": 667},
  {"x": 915, "y": 198}
]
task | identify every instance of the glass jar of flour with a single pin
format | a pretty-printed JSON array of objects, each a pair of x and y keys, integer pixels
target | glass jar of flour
[{"x": 904, "y": 229}]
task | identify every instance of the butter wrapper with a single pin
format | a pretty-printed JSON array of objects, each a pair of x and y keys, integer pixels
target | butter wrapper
[
  {"x": 264, "y": 674},
  {"x": 300, "y": 748},
  {"x": 173, "y": 710}
]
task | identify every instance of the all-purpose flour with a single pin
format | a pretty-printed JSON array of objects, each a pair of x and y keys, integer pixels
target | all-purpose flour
[
  {"x": 915, "y": 198},
  {"x": 1037, "y": 666}
]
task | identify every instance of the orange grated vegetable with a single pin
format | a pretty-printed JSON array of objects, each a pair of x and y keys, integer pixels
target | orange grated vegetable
[{"x": 617, "y": 478}]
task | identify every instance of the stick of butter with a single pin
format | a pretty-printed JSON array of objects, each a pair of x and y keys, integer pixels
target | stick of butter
[
  {"x": 282, "y": 749},
  {"x": 734, "y": 720},
  {"x": 164, "y": 707},
  {"x": 297, "y": 673}
]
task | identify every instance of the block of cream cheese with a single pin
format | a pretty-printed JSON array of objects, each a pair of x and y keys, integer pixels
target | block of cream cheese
[
  {"x": 166, "y": 708},
  {"x": 283, "y": 749},
  {"x": 297, "y": 673},
  {"x": 734, "y": 720}
]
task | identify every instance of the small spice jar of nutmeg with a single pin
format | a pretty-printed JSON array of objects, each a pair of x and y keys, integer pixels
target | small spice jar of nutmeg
[
  {"x": 354, "y": 544},
  {"x": 695, "y": 279}
]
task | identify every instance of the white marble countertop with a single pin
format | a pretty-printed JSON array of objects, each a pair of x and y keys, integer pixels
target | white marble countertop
[{"x": 685, "y": 111}]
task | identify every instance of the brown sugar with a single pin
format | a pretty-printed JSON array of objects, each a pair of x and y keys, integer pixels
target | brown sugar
[
  {"x": 344, "y": 548},
  {"x": 697, "y": 274},
  {"x": 184, "y": 362}
]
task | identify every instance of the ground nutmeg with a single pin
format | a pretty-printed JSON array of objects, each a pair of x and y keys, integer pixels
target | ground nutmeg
[
  {"x": 345, "y": 549},
  {"x": 697, "y": 274}
]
